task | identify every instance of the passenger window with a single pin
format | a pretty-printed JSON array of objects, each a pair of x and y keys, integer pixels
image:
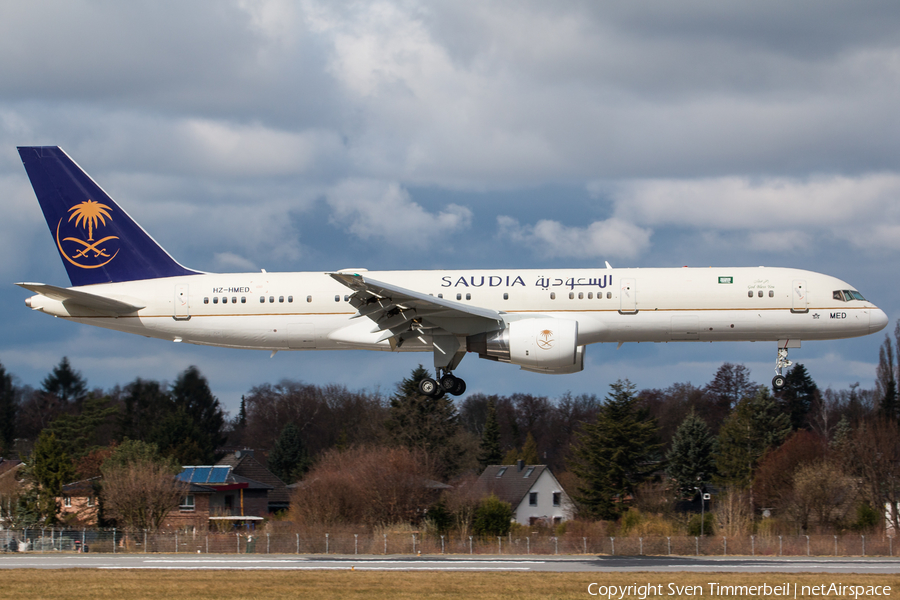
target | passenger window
[
  {"x": 759, "y": 293},
  {"x": 440, "y": 295},
  {"x": 346, "y": 298},
  {"x": 243, "y": 299},
  {"x": 459, "y": 296},
  {"x": 290, "y": 299},
  {"x": 581, "y": 295},
  {"x": 608, "y": 295},
  {"x": 590, "y": 295},
  {"x": 750, "y": 294},
  {"x": 337, "y": 298},
  {"x": 505, "y": 296},
  {"x": 206, "y": 300},
  {"x": 553, "y": 295},
  {"x": 234, "y": 299},
  {"x": 271, "y": 298},
  {"x": 224, "y": 299},
  {"x": 281, "y": 299},
  {"x": 262, "y": 299},
  {"x": 468, "y": 296},
  {"x": 215, "y": 299},
  {"x": 571, "y": 295},
  {"x": 309, "y": 298},
  {"x": 771, "y": 293}
]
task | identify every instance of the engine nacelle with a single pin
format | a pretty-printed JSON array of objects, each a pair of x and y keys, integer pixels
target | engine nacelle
[{"x": 533, "y": 343}]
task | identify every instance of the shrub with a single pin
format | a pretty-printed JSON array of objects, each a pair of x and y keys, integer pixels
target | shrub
[
  {"x": 709, "y": 524},
  {"x": 493, "y": 517}
]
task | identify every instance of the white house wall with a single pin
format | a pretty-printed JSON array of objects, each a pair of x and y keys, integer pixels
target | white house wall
[{"x": 545, "y": 486}]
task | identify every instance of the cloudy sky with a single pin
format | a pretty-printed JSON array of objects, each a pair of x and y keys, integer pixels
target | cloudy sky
[{"x": 305, "y": 135}]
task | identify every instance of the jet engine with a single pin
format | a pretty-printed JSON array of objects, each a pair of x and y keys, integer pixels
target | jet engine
[{"x": 544, "y": 345}]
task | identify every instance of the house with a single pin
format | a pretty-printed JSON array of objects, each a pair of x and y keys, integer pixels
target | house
[
  {"x": 244, "y": 464},
  {"x": 10, "y": 487},
  {"x": 217, "y": 497},
  {"x": 78, "y": 504},
  {"x": 532, "y": 490}
]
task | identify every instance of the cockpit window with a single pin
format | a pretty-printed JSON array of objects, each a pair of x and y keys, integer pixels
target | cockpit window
[{"x": 847, "y": 295}]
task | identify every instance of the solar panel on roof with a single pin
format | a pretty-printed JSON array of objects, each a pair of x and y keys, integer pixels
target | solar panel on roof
[
  {"x": 218, "y": 474},
  {"x": 201, "y": 474}
]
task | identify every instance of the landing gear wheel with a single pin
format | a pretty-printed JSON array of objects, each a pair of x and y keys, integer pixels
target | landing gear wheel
[
  {"x": 449, "y": 382},
  {"x": 778, "y": 383},
  {"x": 428, "y": 387},
  {"x": 460, "y": 388}
]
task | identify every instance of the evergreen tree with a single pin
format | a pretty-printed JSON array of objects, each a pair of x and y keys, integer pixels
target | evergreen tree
[
  {"x": 511, "y": 456},
  {"x": 9, "y": 408},
  {"x": 797, "y": 396},
  {"x": 50, "y": 468},
  {"x": 194, "y": 400},
  {"x": 754, "y": 426},
  {"x": 425, "y": 423},
  {"x": 886, "y": 379},
  {"x": 691, "y": 459},
  {"x": 530, "y": 451},
  {"x": 289, "y": 459},
  {"x": 79, "y": 434},
  {"x": 489, "y": 452},
  {"x": 65, "y": 383},
  {"x": 145, "y": 403},
  {"x": 614, "y": 454}
]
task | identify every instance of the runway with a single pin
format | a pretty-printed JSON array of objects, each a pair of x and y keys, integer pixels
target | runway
[{"x": 556, "y": 564}]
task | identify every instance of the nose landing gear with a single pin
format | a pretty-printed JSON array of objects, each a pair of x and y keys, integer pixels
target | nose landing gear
[{"x": 778, "y": 381}]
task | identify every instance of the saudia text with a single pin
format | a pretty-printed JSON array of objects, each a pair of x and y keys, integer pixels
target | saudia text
[{"x": 509, "y": 281}]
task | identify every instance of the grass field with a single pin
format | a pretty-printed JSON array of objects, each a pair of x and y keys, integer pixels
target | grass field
[{"x": 258, "y": 585}]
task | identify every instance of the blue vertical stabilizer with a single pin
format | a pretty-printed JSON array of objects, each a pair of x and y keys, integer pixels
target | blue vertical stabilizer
[{"x": 97, "y": 240}]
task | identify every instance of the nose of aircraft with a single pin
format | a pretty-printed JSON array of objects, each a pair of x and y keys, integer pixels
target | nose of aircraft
[{"x": 877, "y": 320}]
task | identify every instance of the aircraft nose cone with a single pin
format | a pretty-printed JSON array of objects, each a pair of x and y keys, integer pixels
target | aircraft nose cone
[{"x": 877, "y": 320}]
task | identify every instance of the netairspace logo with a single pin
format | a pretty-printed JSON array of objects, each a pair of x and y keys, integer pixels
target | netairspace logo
[{"x": 714, "y": 589}]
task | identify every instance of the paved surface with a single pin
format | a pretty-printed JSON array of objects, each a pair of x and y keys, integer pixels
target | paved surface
[{"x": 567, "y": 564}]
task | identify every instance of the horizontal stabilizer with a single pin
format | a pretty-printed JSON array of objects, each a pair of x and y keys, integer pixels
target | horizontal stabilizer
[{"x": 84, "y": 299}]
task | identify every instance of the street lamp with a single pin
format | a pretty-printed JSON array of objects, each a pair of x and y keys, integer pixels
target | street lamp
[{"x": 703, "y": 498}]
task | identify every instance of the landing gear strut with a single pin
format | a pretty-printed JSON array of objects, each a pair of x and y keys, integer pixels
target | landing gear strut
[
  {"x": 778, "y": 381},
  {"x": 447, "y": 383}
]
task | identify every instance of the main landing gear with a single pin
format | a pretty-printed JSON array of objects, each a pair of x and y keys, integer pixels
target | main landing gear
[
  {"x": 447, "y": 383},
  {"x": 778, "y": 381}
]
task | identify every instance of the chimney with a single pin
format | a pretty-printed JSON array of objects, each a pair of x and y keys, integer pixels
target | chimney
[{"x": 520, "y": 465}]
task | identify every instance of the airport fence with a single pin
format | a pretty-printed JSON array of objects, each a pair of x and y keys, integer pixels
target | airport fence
[{"x": 49, "y": 540}]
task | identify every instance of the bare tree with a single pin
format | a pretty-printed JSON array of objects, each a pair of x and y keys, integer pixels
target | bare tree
[
  {"x": 140, "y": 495},
  {"x": 823, "y": 494},
  {"x": 732, "y": 510},
  {"x": 873, "y": 455},
  {"x": 366, "y": 486}
]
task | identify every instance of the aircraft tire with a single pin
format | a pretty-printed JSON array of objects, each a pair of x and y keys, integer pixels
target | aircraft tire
[
  {"x": 428, "y": 387},
  {"x": 778, "y": 383},
  {"x": 449, "y": 382},
  {"x": 460, "y": 388}
]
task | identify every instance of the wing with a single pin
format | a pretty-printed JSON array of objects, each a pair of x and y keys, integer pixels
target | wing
[
  {"x": 401, "y": 313},
  {"x": 84, "y": 299}
]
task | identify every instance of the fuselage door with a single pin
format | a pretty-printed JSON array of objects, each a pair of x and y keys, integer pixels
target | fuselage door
[
  {"x": 182, "y": 303},
  {"x": 627, "y": 296},
  {"x": 800, "y": 297}
]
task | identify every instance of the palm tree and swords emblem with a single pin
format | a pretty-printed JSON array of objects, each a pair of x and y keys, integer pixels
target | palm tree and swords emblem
[
  {"x": 545, "y": 339},
  {"x": 88, "y": 215}
]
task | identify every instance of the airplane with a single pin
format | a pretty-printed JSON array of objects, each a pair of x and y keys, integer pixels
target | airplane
[{"x": 540, "y": 320}]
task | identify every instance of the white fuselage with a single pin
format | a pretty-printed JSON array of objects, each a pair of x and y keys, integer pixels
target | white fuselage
[{"x": 305, "y": 311}]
